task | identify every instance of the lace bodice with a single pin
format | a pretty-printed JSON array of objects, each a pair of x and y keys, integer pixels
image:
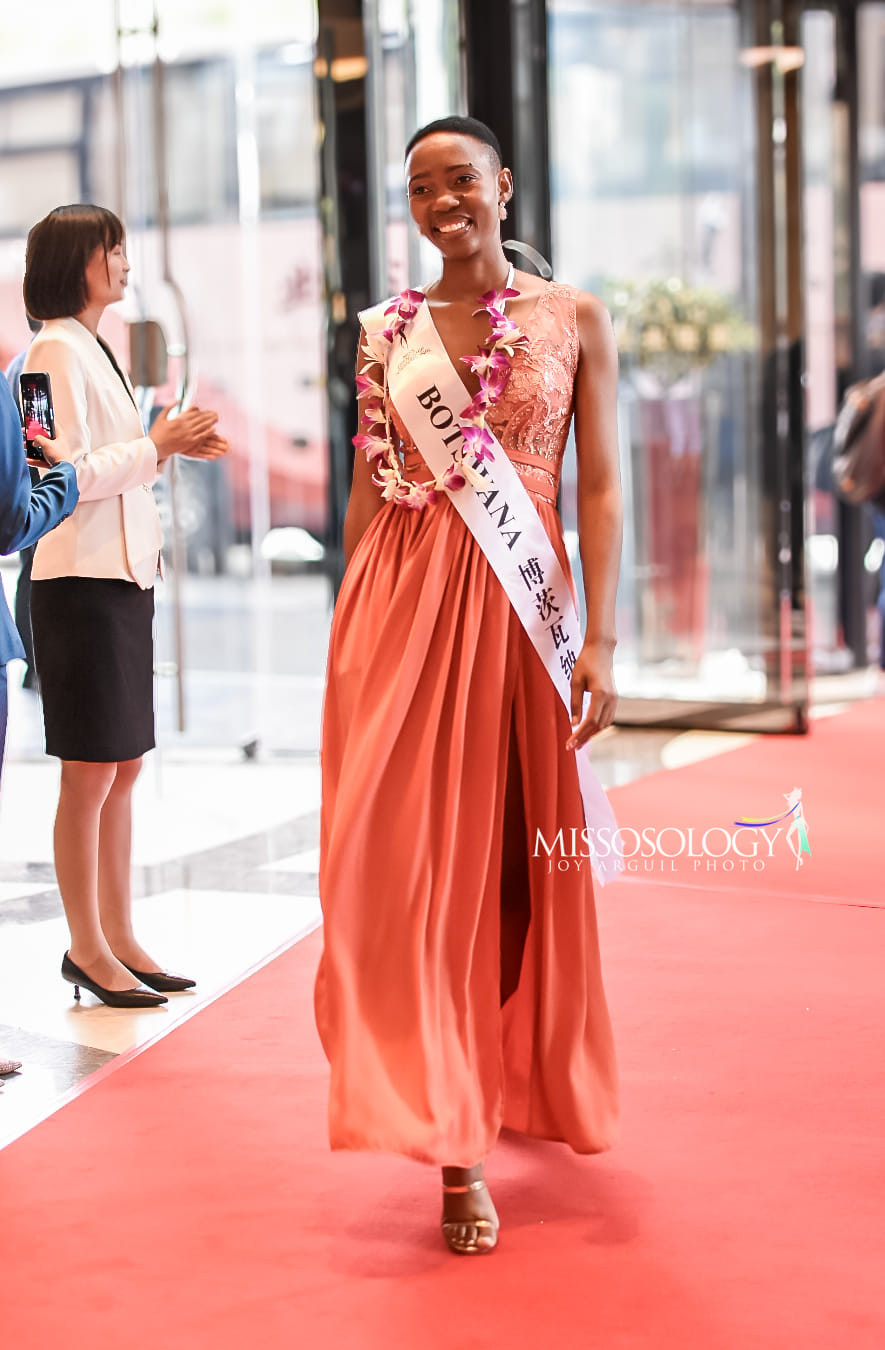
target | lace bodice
[{"x": 531, "y": 420}]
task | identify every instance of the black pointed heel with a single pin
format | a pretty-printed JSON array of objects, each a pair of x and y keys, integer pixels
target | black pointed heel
[
  {"x": 114, "y": 998},
  {"x": 162, "y": 980}
]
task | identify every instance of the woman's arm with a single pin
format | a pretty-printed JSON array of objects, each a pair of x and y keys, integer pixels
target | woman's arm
[
  {"x": 26, "y": 512},
  {"x": 599, "y": 516},
  {"x": 365, "y": 496}
]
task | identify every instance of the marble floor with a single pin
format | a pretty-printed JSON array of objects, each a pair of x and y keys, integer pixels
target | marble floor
[
  {"x": 225, "y": 874},
  {"x": 225, "y": 861},
  {"x": 225, "y": 837}
]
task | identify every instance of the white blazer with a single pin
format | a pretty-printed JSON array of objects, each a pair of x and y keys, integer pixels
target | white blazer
[{"x": 115, "y": 530}]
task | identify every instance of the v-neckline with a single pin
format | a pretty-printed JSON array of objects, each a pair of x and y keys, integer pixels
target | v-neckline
[{"x": 458, "y": 362}]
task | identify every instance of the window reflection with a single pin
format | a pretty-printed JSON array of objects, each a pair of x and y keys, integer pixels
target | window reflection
[
  {"x": 252, "y": 525},
  {"x": 654, "y": 208}
]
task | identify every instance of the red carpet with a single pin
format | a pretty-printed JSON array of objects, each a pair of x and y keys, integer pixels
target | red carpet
[{"x": 188, "y": 1199}]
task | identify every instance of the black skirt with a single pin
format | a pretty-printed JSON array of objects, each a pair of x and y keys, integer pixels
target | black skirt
[{"x": 94, "y": 650}]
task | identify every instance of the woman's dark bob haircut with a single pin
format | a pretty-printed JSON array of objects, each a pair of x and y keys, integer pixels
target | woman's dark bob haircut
[
  {"x": 460, "y": 126},
  {"x": 58, "y": 251}
]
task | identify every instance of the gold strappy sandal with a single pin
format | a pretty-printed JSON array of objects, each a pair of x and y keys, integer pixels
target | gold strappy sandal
[{"x": 452, "y": 1228}]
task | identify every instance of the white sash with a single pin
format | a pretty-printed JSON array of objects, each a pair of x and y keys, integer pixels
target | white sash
[{"x": 501, "y": 516}]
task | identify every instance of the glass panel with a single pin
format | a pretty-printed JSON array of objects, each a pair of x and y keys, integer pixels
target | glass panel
[
  {"x": 414, "y": 78},
  {"x": 83, "y": 40},
  {"x": 244, "y": 249},
  {"x": 285, "y": 130},
  {"x": 190, "y": 27},
  {"x": 30, "y": 185},
  {"x": 201, "y": 166},
  {"x": 871, "y": 62},
  {"x": 45, "y": 118},
  {"x": 823, "y": 150},
  {"x": 655, "y": 209}
]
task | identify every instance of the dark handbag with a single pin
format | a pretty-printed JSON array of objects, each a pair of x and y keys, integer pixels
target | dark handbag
[{"x": 859, "y": 444}]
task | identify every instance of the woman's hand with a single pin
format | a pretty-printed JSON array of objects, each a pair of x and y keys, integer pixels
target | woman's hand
[
  {"x": 211, "y": 448},
  {"x": 592, "y": 675},
  {"x": 186, "y": 434},
  {"x": 54, "y": 451}
]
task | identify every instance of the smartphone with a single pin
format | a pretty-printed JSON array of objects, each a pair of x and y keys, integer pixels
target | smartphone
[{"x": 36, "y": 407}]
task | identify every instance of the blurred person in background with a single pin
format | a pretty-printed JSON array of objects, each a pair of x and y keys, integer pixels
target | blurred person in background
[
  {"x": 875, "y": 328},
  {"x": 92, "y": 599},
  {"x": 26, "y": 513}
]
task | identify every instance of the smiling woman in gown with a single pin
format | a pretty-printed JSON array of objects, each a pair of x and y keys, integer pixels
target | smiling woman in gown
[
  {"x": 460, "y": 989},
  {"x": 92, "y": 596}
]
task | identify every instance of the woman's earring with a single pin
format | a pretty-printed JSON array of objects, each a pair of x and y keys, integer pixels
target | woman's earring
[{"x": 502, "y": 211}]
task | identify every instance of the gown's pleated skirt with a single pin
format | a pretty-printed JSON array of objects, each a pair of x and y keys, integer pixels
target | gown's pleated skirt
[{"x": 430, "y": 678}]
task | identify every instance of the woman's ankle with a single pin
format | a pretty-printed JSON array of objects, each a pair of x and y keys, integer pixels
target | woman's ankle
[
  {"x": 462, "y": 1176},
  {"x": 86, "y": 953}
]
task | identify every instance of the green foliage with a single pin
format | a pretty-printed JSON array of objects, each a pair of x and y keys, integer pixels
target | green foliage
[{"x": 672, "y": 329}]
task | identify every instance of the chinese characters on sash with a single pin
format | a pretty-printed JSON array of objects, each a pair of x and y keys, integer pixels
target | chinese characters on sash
[{"x": 532, "y": 574}]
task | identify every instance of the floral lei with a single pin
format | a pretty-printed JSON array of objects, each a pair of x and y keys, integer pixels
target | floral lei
[{"x": 491, "y": 364}]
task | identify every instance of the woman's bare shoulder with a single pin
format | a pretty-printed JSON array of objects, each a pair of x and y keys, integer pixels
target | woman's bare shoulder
[
  {"x": 595, "y": 328},
  {"x": 591, "y": 310}
]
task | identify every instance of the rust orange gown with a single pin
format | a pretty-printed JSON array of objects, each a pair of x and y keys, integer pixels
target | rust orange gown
[{"x": 459, "y": 989}]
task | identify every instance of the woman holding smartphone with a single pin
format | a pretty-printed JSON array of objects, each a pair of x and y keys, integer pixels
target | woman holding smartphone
[
  {"x": 26, "y": 513},
  {"x": 92, "y": 600}
]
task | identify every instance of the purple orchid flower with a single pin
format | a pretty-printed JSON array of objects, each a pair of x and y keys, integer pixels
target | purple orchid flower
[
  {"x": 493, "y": 299},
  {"x": 476, "y": 408},
  {"x": 405, "y": 305},
  {"x": 375, "y": 447},
  {"x": 484, "y": 361},
  {"x": 510, "y": 341},
  {"x": 494, "y": 383},
  {"x": 478, "y": 442},
  {"x": 502, "y": 325},
  {"x": 413, "y": 498},
  {"x": 373, "y": 411},
  {"x": 453, "y": 478}
]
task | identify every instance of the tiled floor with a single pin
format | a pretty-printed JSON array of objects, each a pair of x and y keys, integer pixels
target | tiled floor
[
  {"x": 214, "y": 901},
  {"x": 225, "y": 846}
]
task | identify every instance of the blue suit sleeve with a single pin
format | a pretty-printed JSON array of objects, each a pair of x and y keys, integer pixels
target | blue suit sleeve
[{"x": 28, "y": 512}]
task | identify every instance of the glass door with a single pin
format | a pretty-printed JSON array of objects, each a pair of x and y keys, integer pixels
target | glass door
[
  {"x": 222, "y": 209},
  {"x": 214, "y": 103},
  {"x": 414, "y": 76},
  {"x": 196, "y": 120},
  {"x": 844, "y": 214},
  {"x": 673, "y": 137}
]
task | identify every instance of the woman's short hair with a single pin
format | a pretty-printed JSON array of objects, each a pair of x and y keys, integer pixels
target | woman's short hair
[
  {"x": 460, "y": 126},
  {"x": 58, "y": 251}
]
